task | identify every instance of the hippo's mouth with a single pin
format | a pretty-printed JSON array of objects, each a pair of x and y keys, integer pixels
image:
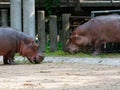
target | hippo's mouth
[
  {"x": 36, "y": 59},
  {"x": 31, "y": 60}
]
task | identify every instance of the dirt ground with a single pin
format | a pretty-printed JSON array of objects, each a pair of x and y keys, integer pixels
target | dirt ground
[{"x": 59, "y": 76}]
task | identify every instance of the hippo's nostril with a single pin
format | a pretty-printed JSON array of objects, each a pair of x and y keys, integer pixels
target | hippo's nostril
[{"x": 39, "y": 58}]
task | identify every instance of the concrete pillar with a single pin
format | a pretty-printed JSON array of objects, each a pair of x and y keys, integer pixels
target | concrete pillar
[
  {"x": 53, "y": 32},
  {"x": 29, "y": 17},
  {"x": 41, "y": 30},
  {"x": 15, "y": 14},
  {"x": 92, "y": 15},
  {"x": 65, "y": 28},
  {"x": 4, "y": 17}
]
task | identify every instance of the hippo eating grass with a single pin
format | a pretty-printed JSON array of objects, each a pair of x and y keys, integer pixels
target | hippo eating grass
[
  {"x": 13, "y": 41},
  {"x": 95, "y": 32}
]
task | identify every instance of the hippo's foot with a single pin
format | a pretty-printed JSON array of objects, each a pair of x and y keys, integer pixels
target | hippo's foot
[
  {"x": 6, "y": 63},
  {"x": 11, "y": 62}
]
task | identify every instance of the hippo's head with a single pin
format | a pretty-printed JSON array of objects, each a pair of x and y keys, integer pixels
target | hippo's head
[
  {"x": 76, "y": 41},
  {"x": 30, "y": 50}
]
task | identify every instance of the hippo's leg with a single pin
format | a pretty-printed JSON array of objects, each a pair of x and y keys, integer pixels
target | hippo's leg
[
  {"x": 5, "y": 60},
  {"x": 9, "y": 59},
  {"x": 97, "y": 48}
]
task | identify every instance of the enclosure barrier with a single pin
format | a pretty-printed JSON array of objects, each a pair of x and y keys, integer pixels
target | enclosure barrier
[
  {"x": 4, "y": 17},
  {"x": 65, "y": 29},
  {"x": 77, "y": 20},
  {"x": 41, "y": 30},
  {"x": 29, "y": 17},
  {"x": 15, "y": 14},
  {"x": 53, "y": 32},
  {"x": 45, "y": 37},
  {"x": 105, "y": 12}
]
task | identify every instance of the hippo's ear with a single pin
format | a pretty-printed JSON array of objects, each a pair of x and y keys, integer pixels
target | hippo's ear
[{"x": 80, "y": 31}]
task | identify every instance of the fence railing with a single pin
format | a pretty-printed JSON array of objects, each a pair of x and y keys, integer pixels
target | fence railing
[
  {"x": 94, "y": 1},
  {"x": 98, "y": 1}
]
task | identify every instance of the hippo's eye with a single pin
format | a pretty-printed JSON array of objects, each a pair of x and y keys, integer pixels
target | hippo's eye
[{"x": 32, "y": 47}]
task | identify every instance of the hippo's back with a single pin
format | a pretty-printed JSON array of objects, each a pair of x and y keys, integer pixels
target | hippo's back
[
  {"x": 106, "y": 28},
  {"x": 103, "y": 23},
  {"x": 12, "y": 34},
  {"x": 7, "y": 31},
  {"x": 9, "y": 39}
]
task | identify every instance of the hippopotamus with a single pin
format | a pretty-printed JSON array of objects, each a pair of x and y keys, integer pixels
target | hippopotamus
[
  {"x": 95, "y": 32},
  {"x": 13, "y": 41}
]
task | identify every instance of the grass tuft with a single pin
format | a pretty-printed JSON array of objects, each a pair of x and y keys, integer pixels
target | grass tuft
[{"x": 64, "y": 54}]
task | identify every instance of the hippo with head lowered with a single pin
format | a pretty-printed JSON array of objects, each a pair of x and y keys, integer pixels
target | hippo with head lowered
[
  {"x": 95, "y": 32},
  {"x": 13, "y": 41}
]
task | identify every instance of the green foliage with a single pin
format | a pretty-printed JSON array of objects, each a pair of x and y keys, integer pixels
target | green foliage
[
  {"x": 65, "y": 54},
  {"x": 61, "y": 53},
  {"x": 49, "y": 5},
  {"x": 59, "y": 46}
]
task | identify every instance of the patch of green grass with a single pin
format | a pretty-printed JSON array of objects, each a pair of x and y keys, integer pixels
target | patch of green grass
[{"x": 64, "y": 54}]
